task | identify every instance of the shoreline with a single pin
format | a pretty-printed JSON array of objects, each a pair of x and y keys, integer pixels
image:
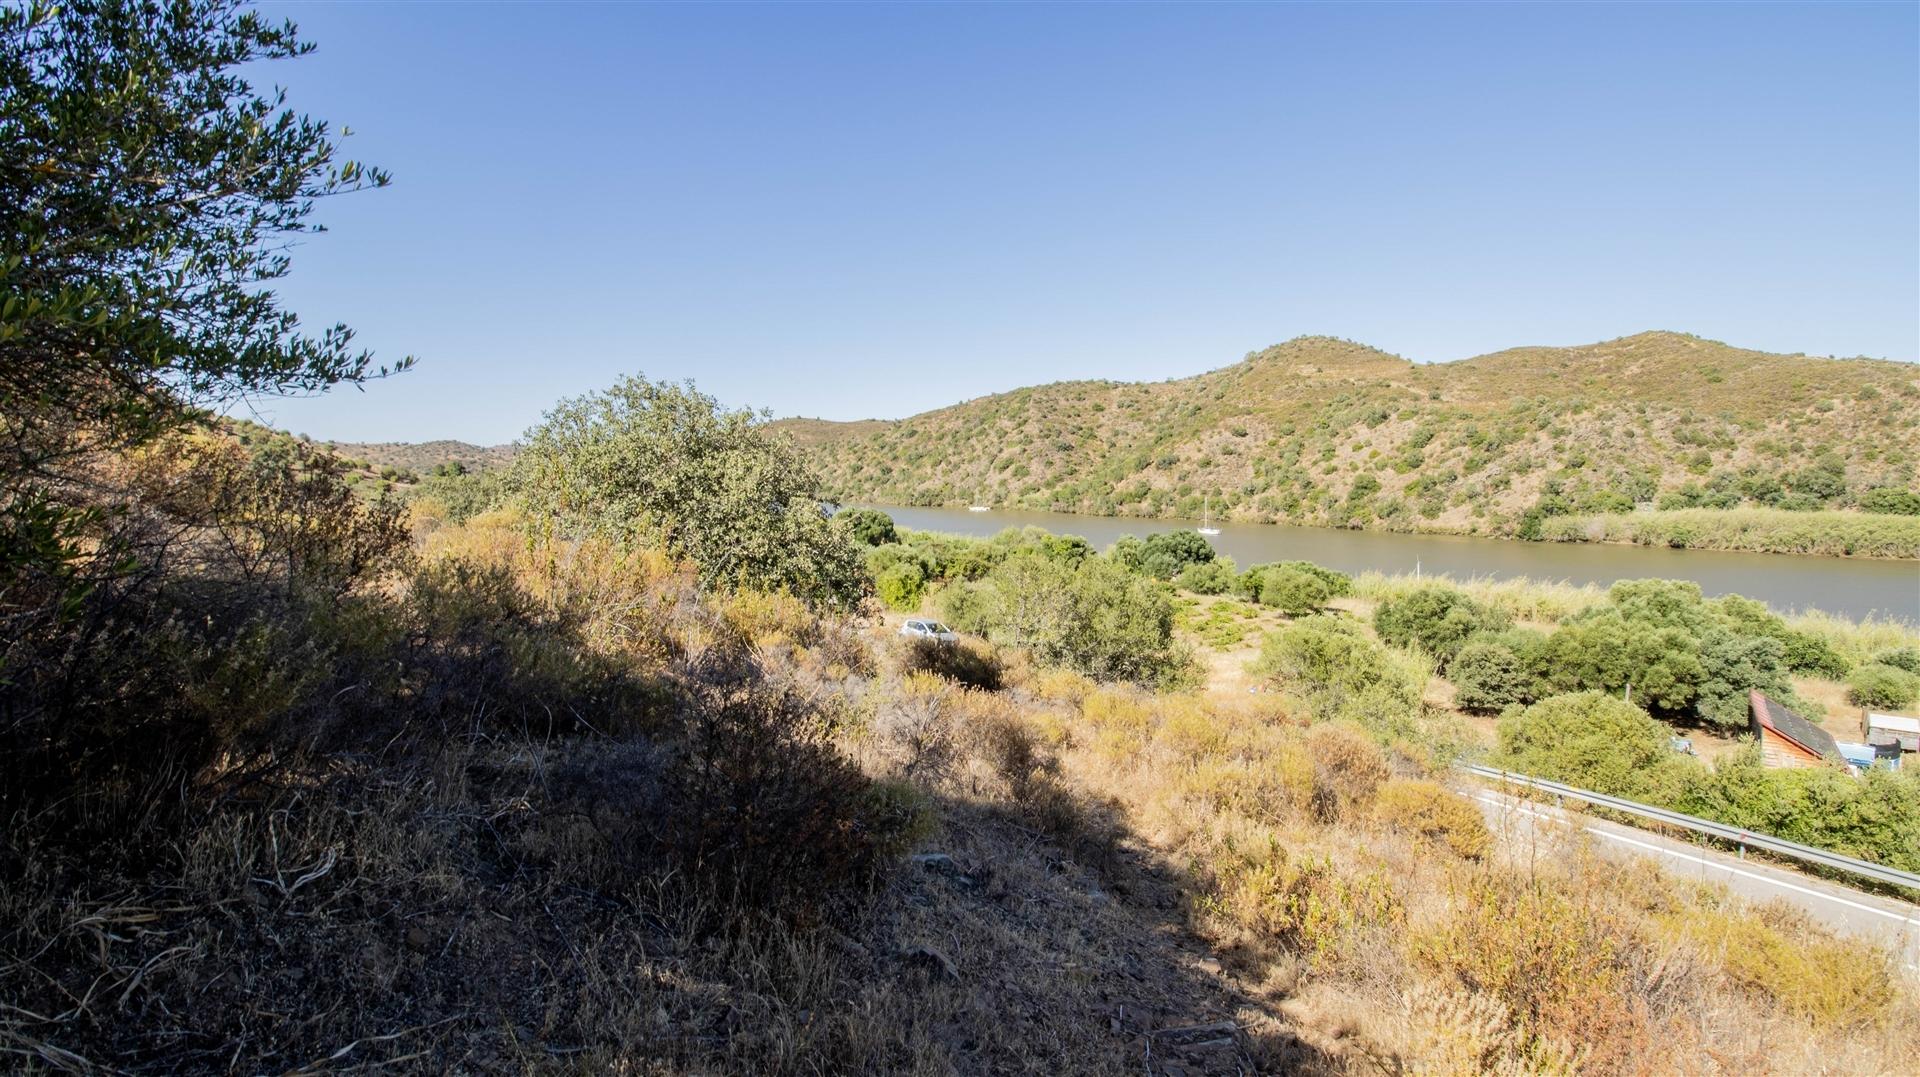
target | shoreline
[{"x": 1565, "y": 528}]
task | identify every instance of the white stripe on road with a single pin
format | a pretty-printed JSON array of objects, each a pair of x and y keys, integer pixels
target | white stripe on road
[{"x": 1730, "y": 869}]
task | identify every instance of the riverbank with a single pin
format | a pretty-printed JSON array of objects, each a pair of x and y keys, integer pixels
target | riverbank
[
  {"x": 1818, "y": 533},
  {"x": 1826, "y": 533},
  {"x": 1854, "y": 588}
]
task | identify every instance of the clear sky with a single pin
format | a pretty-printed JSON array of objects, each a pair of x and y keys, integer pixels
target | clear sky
[{"x": 853, "y": 210}]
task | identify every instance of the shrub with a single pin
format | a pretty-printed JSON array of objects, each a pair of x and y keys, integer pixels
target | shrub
[
  {"x": 1877, "y": 684},
  {"x": 1489, "y": 676},
  {"x": 1293, "y": 592},
  {"x": 971, "y": 662},
  {"x": 1437, "y": 620},
  {"x": 1837, "y": 985},
  {"x": 666, "y": 466},
  {"x": 1891, "y": 501},
  {"x": 763, "y": 812},
  {"x": 1432, "y": 812},
  {"x": 869, "y": 527},
  {"x": 1348, "y": 768},
  {"x": 1165, "y": 554},
  {"x": 1337, "y": 673},
  {"x": 1214, "y": 577},
  {"x": 1594, "y": 741},
  {"x": 1907, "y": 658},
  {"x": 900, "y": 586}
]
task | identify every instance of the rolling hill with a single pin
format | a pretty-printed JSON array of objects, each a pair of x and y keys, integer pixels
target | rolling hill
[{"x": 1327, "y": 431}]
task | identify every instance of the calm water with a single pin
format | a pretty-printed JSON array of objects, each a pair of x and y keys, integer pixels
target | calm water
[{"x": 1784, "y": 581}]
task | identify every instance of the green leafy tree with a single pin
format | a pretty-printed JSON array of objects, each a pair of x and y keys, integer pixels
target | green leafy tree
[
  {"x": 1166, "y": 553},
  {"x": 1594, "y": 741},
  {"x": 1879, "y": 685},
  {"x": 869, "y": 527},
  {"x": 1907, "y": 658},
  {"x": 1496, "y": 671},
  {"x": 1437, "y": 620},
  {"x": 1214, "y": 577},
  {"x": 660, "y": 464},
  {"x": 1293, "y": 592},
  {"x": 148, "y": 195}
]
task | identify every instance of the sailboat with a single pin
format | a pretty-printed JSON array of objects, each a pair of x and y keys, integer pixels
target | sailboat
[{"x": 1206, "y": 518}]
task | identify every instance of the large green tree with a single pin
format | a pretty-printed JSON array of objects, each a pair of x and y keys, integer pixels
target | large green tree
[
  {"x": 666, "y": 465},
  {"x": 147, "y": 197}
]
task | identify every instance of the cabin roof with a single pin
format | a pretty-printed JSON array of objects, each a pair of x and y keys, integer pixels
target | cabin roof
[{"x": 1776, "y": 716}]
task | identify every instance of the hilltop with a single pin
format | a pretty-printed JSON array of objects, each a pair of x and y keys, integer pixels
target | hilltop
[{"x": 1326, "y": 431}]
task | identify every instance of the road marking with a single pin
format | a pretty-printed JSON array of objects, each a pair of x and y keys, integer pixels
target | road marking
[{"x": 1910, "y": 920}]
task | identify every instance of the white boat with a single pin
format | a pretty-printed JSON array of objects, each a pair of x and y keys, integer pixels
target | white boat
[
  {"x": 1206, "y": 518},
  {"x": 976, "y": 508}
]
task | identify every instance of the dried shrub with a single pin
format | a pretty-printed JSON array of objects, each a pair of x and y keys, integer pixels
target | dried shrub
[
  {"x": 1348, "y": 767},
  {"x": 974, "y": 663},
  {"x": 1433, "y": 813}
]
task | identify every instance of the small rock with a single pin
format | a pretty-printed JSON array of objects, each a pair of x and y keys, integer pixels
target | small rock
[
  {"x": 931, "y": 959},
  {"x": 417, "y": 939}
]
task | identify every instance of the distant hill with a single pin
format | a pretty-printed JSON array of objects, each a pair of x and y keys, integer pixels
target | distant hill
[
  {"x": 424, "y": 456},
  {"x": 810, "y": 433},
  {"x": 1320, "y": 430}
]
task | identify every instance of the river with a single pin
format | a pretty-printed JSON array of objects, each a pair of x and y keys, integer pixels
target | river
[{"x": 1787, "y": 582}]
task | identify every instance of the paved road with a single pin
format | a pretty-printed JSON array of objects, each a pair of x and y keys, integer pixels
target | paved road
[{"x": 1889, "y": 922}]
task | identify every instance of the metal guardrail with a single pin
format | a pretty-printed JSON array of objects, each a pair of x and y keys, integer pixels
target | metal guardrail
[{"x": 1744, "y": 838}]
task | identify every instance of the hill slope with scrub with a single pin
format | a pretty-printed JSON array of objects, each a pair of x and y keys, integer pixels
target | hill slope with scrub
[{"x": 1325, "y": 431}]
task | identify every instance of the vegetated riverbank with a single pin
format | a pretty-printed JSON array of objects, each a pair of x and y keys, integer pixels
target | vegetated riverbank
[
  {"x": 1756, "y": 530},
  {"x": 1548, "y": 602},
  {"x": 1816, "y": 533}
]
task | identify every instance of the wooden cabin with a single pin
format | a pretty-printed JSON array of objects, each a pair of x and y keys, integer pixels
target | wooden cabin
[{"x": 1786, "y": 738}]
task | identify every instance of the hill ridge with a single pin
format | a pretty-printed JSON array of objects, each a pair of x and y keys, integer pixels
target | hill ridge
[{"x": 1320, "y": 429}]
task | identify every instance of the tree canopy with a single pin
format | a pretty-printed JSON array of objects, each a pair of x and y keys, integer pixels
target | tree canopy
[{"x": 666, "y": 465}]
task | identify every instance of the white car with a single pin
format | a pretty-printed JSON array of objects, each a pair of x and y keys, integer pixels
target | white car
[{"x": 932, "y": 630}]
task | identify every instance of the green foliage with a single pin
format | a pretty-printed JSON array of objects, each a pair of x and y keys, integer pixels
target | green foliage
[
  {"x": 1891, "y": 501},
  {"x": 650, "y": 463},
  {"x": 1496, "y": 671},
  {"x": 1214, "y": 577},
  {"x": 1875, "y": 816},
  {"x": 1594, "y": 741},
  {"x": 461, "y": 495},
  {"x": 900, "y": 585},
  {"x": 1762, "y": 530},
  {"x": 162, "y": 195},
  {"x": 1907, "y": 658},
  {"x": 1293, "y": 592},
  {"x": 1092, "y": 615},
  {"x": 1802, "y": 652},
  {"x": 1437, "y": 620},
  {"x": 1879, "y": 685},
  {"x": 1338, "y": 673},
  {"x": 869, "y": 527},
  {"x": 1163, "y": 555}
]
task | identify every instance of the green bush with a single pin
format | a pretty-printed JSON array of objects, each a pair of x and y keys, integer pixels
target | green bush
[
  {"x": 1293, "y": 592},
  {"x": 1907, "y": 658},
  {"x": 1214, "y": 577},
  {"x": 1338, "y": 673},
  {"x": 1891, "y": 501},
  {"x": 1496, "y": 671},
  {"x": 1879, "y": 685},
  {"x": 869, "y": 527},
  {"x": 1165, "y": 554},
  {"x": 1096, "y": 617},
  {"x": 1595, "y": 741},
  {"x": 1875, "y": 816},
  {"x": 662, "y": 464},
  {"x": 1437, "y": 620},
  {"x": 900, "y": 586}
]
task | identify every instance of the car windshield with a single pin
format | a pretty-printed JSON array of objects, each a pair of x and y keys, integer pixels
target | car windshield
[{"x": 936, "y": 626}]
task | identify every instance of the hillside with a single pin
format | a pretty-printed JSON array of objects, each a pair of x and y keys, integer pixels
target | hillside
[
  {"x": 1325, "y": 431},
  {"x": 424, "y": 456}
]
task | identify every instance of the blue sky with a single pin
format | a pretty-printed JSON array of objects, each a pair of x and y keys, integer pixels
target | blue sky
[{"x": 852, "y": 210}]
